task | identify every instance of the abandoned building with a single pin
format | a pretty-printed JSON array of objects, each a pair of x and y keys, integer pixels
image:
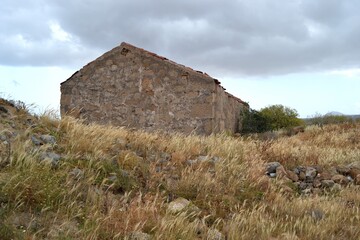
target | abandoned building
[{"x": 129, "y": 86}]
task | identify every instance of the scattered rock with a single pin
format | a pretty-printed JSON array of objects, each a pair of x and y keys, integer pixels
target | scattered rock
[
  {"x": 151, "y": 157},
  {"x": 316, "y": 183},
  {"x": 165, "y": 157},
  {"x": 302, "y": 185},
  {"x": 208, "y": 159},
  {"x": 191, "y": 162},
  {"x": 354, "y": 172},
  {"x": 24, "y": 220},
  {"x": 214, "y": 234},
  {"x": 306, "y": 191},
  {"x": 302, "y": 176},
  {"x": 215, "y": 159},
  {"x": 271, "y": 167},
  {"x": 299, "y": 169},
  {"x": 36, "y": 141},
  {"x": 319, "y": 169},
  {"x": 310, "y": 173},
  {"x": 357, "y": 179},
  {"x": 272, "y": 175},
  {"x": 355, "y": 164},
  {"x": 3, "y": 138},
  {"x": 139, "y": 236},
  {"x": 113, "y": 179},
  {"x": 281, "y": 172},
  {"x": 3, "y": 109},
  {"x": 292, "y": 176},
  {"x": 180, "y": 205},
  {"x": 325, "y": 175},
  {"x": 327, "y": 183},
  {"x": 340, "y": 179},
  {"x": 203, "y": 158},
  {"x": 317, "y": 214},
  {"x": 48, "y": 139},
  {"x": 168, "y": 168},
  {"x": 315, "y": 179},
  {"x": 54, "y": 157},
  {"x": 77, "y": 173},
  {"x": 336, "y": 187},
  {"x": 344, "y": 170}
]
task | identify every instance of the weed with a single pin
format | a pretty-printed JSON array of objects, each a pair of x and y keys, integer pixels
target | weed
[{"x": 112, "y": 182}]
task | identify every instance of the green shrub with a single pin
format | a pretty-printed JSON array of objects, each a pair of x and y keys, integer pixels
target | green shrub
[
  {"x": 270, "y": 118},
  {"x": 253, "y": 122},
  {"x": 279, "y": 116}
]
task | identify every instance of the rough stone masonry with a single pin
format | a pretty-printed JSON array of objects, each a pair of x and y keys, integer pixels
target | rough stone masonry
[{"x": 129, "y": 86}]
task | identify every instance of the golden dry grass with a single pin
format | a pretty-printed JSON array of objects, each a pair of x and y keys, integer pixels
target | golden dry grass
[{"x": 126, "y": 180}]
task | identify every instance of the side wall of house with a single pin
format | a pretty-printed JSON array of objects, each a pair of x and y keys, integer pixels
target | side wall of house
[
  {"x": 129, "y": 88},
  {"x": 226, "y": 111}
]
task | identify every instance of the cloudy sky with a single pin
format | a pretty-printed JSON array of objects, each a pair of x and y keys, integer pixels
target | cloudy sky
[{"x": 304, "y": 54}]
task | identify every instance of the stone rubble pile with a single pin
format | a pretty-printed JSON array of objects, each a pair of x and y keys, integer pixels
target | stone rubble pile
[{"x": 316, "y": 179}]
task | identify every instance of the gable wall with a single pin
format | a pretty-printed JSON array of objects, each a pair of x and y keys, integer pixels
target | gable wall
[
  {"x": 140, "y": 91},
  {"x": 128, "y": 87}
]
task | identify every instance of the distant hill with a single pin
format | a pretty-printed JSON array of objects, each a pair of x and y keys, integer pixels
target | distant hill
[
  {"x": 330, "y": 117},
  {"x": 334, "y": 114}
]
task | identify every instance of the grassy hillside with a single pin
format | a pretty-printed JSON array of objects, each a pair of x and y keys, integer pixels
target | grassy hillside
[{"x": 62, "y": 179}]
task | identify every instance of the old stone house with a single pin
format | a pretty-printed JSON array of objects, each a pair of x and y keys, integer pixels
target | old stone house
[{"x": 129, "y": 86}]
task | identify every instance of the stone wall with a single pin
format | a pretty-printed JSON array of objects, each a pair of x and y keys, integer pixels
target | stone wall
[
  {"x": 129, "y": 86},
  {"x": 227, "y": 111}
]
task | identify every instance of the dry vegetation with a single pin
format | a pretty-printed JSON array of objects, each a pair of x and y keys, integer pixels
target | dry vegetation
[{"x": 114, "y": 183}]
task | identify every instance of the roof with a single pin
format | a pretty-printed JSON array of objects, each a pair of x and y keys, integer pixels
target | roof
[{"x": 188, "y": 69}]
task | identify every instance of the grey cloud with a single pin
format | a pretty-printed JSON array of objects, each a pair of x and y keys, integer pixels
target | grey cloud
[{"x": 258, "y": 37}]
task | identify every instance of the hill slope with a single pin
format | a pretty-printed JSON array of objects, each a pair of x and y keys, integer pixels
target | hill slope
[{"x": 62, "y": 179}]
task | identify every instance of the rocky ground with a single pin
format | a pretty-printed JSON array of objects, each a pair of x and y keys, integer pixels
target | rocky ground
[
  {"x": 316, "y": 179},
  {"x": 62, "y": 179}
]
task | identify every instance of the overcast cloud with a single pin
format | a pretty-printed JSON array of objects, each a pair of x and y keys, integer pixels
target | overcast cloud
[{"x": 229, "y": 38}]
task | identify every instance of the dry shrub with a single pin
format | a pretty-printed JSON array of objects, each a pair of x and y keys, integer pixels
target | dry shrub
[
  {"x": 179, "y": 227},
  {"x": 128, "y": 178},
  {"x": 121, "y": 216},
  {"x": 310, "y": 218},
  {"x": 93, "y": 140}
]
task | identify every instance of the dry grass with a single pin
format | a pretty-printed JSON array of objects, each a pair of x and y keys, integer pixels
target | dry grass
[{"x": 126, "y": 180}]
